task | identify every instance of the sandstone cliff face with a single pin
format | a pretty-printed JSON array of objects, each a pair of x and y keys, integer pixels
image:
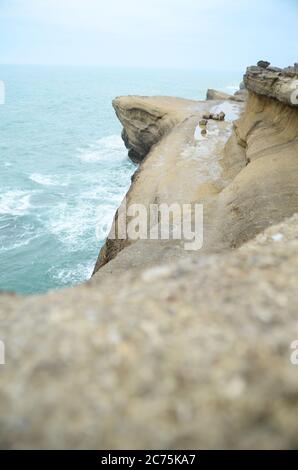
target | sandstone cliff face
[
  {"x": 163, "y": 348},
  {"x": 146, "y": 120},
  {"x": 265, "y": 191}
]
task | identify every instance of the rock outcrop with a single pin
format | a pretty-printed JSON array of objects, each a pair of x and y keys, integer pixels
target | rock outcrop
[
  {"x": 165, "y": 348},
  {"x": 146, "y": 120},
  {"x": 279, "y": 84}
]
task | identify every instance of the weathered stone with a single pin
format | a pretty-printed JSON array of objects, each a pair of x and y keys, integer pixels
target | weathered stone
[
  {"x": 221, "y": 116},
  {"x": 144, "y": 126},
  {"x": 278, "y": 85},
  {"x": 263, "y": 64},
  {"x": 215, "y": 116}
]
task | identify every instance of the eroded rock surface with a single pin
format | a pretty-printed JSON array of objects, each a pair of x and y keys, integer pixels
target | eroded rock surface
[
  {"x": 146, "y": 120},
  {"x": 280, "y": 84}
]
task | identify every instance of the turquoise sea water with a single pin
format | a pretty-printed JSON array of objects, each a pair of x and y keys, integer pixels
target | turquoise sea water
[{"x": 63, "y": 167}]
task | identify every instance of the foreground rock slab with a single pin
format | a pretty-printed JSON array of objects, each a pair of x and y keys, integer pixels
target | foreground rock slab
[{"x": 184, "y": 355}]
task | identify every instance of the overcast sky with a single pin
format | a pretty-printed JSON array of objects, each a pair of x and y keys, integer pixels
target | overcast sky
[{"x": 201, "y": 34}]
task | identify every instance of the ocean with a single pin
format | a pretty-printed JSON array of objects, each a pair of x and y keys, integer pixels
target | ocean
[{"x": 63, "y": 167}]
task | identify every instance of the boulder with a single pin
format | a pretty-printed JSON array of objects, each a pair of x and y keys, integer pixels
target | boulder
[{"x": 263, "y": 64}]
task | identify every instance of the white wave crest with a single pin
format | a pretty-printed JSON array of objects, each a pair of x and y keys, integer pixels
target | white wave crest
[
  {"x": 15, "y": 202},
  {"x": 78, "y": 227},
  {"x": 75, "y": 275},
  {"x": 47, "y": 180},
  {"x": 104, "y": 149}
]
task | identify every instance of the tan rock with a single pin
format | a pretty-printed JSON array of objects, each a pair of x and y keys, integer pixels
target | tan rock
[
  {"x": 194, "y": 354},
  {"x": 146, "y": 120},
  {"x": 281, "y": 86},
  {"x": 217, "y": 95}
]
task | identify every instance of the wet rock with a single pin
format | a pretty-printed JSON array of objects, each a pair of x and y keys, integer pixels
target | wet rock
[
  {"x": 221, "y": 116},
  {"x": 215, "y": 116}
]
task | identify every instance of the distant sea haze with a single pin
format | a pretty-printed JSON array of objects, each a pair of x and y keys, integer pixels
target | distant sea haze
[{"x": 64, "y": 168}]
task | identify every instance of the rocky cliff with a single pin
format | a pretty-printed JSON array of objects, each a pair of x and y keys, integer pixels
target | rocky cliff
[
  {"x": 244, "y": 172},
  {"x": 165, "y": 348}
]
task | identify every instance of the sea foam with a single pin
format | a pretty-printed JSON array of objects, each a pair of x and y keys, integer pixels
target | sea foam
[
  {"x": 47, "y": 180},
  {"x": 15, "y": 202},
  {"x": 103, "y": 149}
]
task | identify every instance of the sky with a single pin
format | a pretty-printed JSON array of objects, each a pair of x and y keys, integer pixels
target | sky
[{"x": 197, "y": 34}]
